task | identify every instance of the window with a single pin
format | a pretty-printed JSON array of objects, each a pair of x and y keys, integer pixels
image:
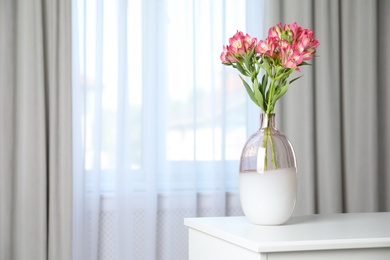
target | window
[{"x": 151, "y": 90}]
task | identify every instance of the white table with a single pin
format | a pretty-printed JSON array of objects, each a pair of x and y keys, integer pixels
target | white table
[{"x": 338, "y": 236}]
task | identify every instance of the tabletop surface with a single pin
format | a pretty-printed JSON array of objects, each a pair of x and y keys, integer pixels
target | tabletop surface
[{"x": 311, "y": 232}]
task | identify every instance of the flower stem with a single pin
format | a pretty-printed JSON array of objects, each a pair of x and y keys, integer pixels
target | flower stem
[
  {"x": 273, "y": 153},
  {"x": 268, "y": 138},
  {"x": 265, "y": 146},
  {"x": 270, "y": 106}
]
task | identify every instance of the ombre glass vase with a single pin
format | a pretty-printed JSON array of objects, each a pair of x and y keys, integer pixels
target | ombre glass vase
[{"x": 268, "y": 175}]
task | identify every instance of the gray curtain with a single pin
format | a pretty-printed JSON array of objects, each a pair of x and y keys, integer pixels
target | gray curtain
[
  {"x": 35, "y": 130},
  {"x": 338, "y": 115}
]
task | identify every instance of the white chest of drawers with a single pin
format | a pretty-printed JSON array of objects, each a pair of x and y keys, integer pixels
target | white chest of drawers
[{"x": 354, "y": 236}]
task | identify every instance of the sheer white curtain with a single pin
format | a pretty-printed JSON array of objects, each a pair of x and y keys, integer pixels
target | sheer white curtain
[{"x": 159, "y": 123}]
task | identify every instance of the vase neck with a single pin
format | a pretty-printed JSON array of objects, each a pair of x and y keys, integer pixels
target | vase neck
[{"x": 267, "y": 120}]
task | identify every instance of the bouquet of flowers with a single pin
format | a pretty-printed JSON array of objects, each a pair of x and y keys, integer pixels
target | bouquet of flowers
[{"x": 284, "y": 50}]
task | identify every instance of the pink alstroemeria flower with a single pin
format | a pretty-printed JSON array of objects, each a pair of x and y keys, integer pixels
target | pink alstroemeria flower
[
  {"x": 275, "y": 31},
  {"x": 301, "y": 41},
  {"x": 227, "y": 57},
  {"x": 283, "y": 44},
  {"x": 262, "y": 47},
  {"x": 223, "y": 55},
  {"x": 249, "y": 42},
  {"x": 237, "y": 44},
  {"x": 291, "y": 60},
  {"x": 308, "y": 41},
  {"x": 267, "y": 47},
  {"x": 293, "y": 30}
]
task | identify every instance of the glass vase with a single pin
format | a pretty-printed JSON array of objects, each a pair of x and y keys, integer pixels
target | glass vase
[{"x": 268, "y": 175}]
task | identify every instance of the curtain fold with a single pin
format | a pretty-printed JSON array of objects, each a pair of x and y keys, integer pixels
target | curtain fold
[
  {"x": 336, "y": 115},
  {"x": 383, "y": 93},
  {"x": 35, "y": 130}
]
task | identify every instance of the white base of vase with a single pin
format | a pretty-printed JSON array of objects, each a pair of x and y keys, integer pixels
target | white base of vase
[{"x": 268, "y": 198}]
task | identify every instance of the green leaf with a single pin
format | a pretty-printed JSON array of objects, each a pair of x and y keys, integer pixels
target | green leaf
[
  {"x": 279, "y": 71},
  {"x": 240, "y": 69},
  {"x": 248, "y": 60},
  {"x": 254, "y": 76},
  {"x": 258, "y": 67},
  {"x": 281, "y": 91},
  {"x": 304, "y": 63},
  {"x": 266, "y": 66},
  {"x": 264, "y": 83},
  {"x": 258, "y": 95},
  {"x": 249, "y": 90},
  {"x": 291, "y": 81}
]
